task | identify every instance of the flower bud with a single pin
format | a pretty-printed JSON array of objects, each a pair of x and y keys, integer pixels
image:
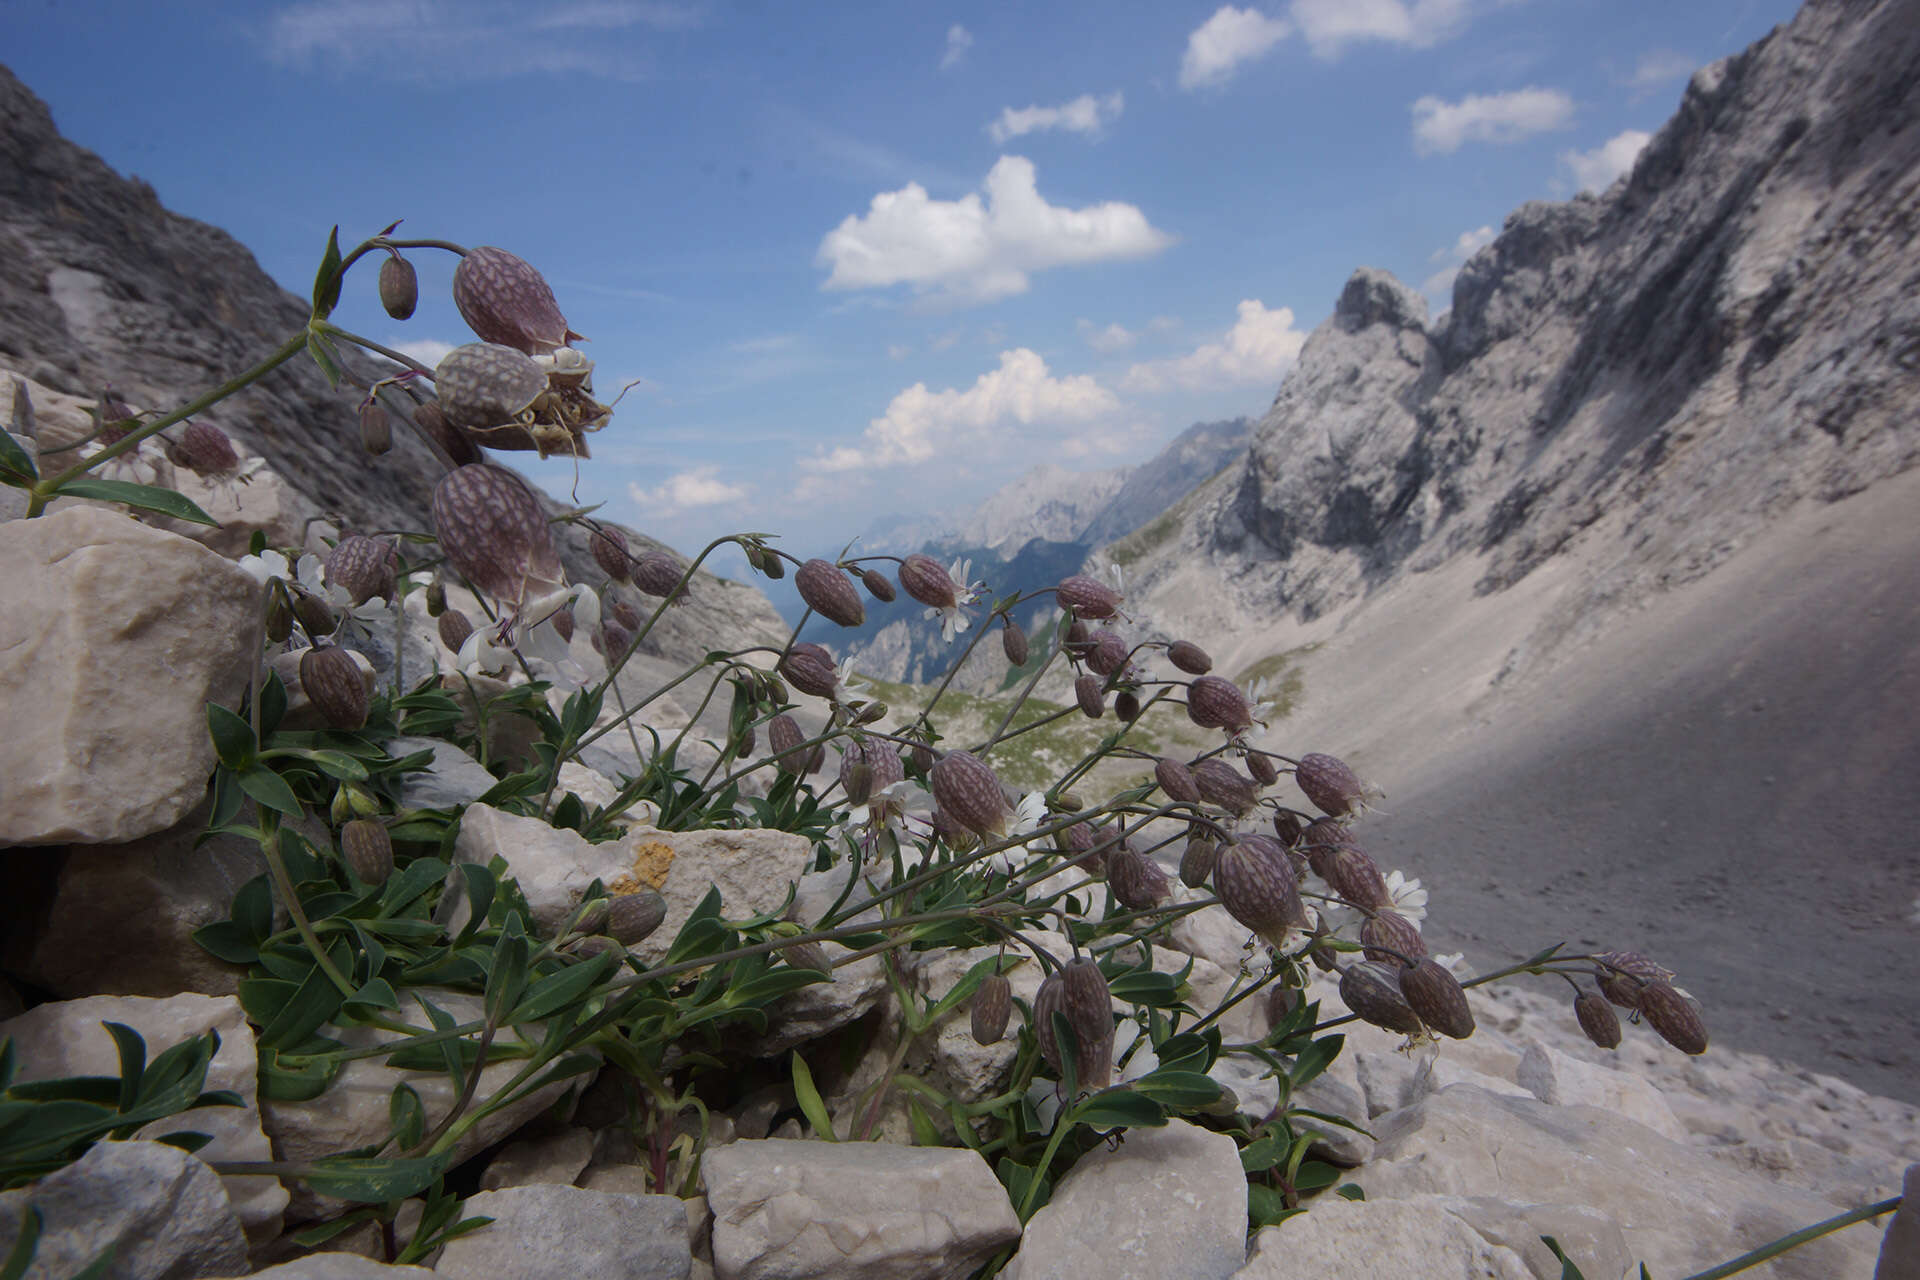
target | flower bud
[
  {"x": 562, "y": 620},
  {"x": 810, "y": 669},
  {"x": 1435, "y": 997},
  {"x": 1176, "y": 780},
  {"x": 364, "y": 568},
  {"x": 399, "y": 287},
  {"x": 316, "y": 619},
  {"x": 1088, "y": 1004},
  {"x": 1287, "y": 827},
  {"x": 1198, "y": 862},
  {"x": 484, "y": 384},
  {"x": 1077, "y": 643},
  {"x": 1625, "y": 975},
  {"x": 1261, "y": 766},
  {"x": 784, "y": 737},
  {"x": 376, "y": 428},
  {"x": 494, "y": 532},
  {"x": 1221, "y": 784},
  {"x": 454, "y": 629},
  {"x": 331, "y": 680},
  {"x": 1135, "y": 880},
  {"x": 504, "y": 300},
  {"x": 625, "y": 614},
  {"x": 1597, "y": 1019},
  {"x": 658, "y": 573},
  {"x": 1050, "y": 999},
  {"x": 457, "y": 444},
  {"x": 969, "y": 792},
  {"x": 612, "y": 640},
  {"x": 1109, "y": 653},
  {"x": 1257, "y": 886},
  {"x": 1086, "y": 691},
  {"x": 609, "y": 547},
  {"x": 807, "y": 955},
  {"x": 868, "y": 767},
  {"x": 1082, "y": 848},
  {"x": 923, "y": 578},
  {"x": 1372, "y": 991},
  {"x": 992, "y": 1006},
  {"x": 1329, "y": 784},
  {"x": 1213, "y": 703},
  {"x": 1189, "y": 657},
  {"x": 367, "y": 849},
  {"x": 1673, "y": 1016},
  {"x": 1087, "y": 597},
  {"x": 1126, "y": 705},
  {"x": 1357, "y": 879},
  {"x": 632, "y": 917},
  {"x": 949, "y": 831},
  {"x": 203, "y": 449},
  {"x": 279, "y": 617},
  {"x": 1391, "y": 938},
  {"x": 1013, "y": 640},
  {"x": 878, "y": 585},
  {"x": 830, "y": 593},
  {"x": 114, "y": 417}
]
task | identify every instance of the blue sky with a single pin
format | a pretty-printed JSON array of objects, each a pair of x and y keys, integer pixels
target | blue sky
[{"x": 863, "y": 260}]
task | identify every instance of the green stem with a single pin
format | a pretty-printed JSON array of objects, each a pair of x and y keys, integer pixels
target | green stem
[
  {"x": 47, "y": 489},
  {"x": 277, "y": 866},
  {"x": 1798, "y": 1238}
]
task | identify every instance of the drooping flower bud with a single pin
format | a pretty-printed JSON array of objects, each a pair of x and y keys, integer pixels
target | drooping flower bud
[
  {"x": 504, "y": 300},
  {"x": 1372, "y": 991},
  {"x": 1391, "y": 938},
  {"x": 1223, "y": 785},
  {"x": 1257, "y": 886},
  {"x": 1087, "y": 597},
  {"x": 484, "y": 384},
  {"x": 927, "y": 581},
  {"x": 810, "y": 669},
  {"x": 784, "y": 736},
  {"x": 1213, "y": 703},
  {"x": 612, "y": 640},
  {"x": 494, "y": 531},
  {"x": 316, "y": 619},
  {"x": 1082, "y": 848},
  {"x": 1086, "y": 692},
  {"x": 457, "y": 444},
  {"x": 969, "y": 792},
  {"x": 1673, "y": 1016},
  {"x": 1329, "y": 784},
  {"x": 1135, "y": 880},
  {"x": 1287, "y": 827},
  {"x": 331, "y": 680},
  {"x": 830, "y": 593},
  {"x": 878, "y": 584},
  {"x": 1013, "y": 641},
  {"x": 1189, "y": 657},
  {"x": 1261, "y": 766},
  {"x": 1109, "y": 653},
  {"x": 625, "y": 614},
  {"x": 1198, "y": 862},
  {"x": 807, "y": 955},
  {"x": 376, "y": 428},
  {"x": 1435, "y": 997},
  {"x": 364, "y": 567},
  {"x": 992, "y": 1006},
  {"x": 1356, "y": 878},
  {"x": 609, "y": 547},
  {"x": 1050, "y": 999},
  {"x": 203, "y": 449},
  {"x": 1126, "y": 705},
  {"x": 1077, "y": 642},
  {"x": 1597, "y": 1019},
  {"x": 950, "y": 832},
  {"x": 876, "y": 764},
  {"x": 367, "y": 849},
  {"x": 399, "y": 287},
  {"x": 279, "y": 617},
  {"x": 1176, "y": 780},
  {"x": 632, "y": 917},
  {"x": 1088, "y": 1004},
  {"x": 658, "y": 573},
  {"x": 454, "y": 629},
  {"x": 113, "y": 417},
  {"x": 1625, "y": 975}
]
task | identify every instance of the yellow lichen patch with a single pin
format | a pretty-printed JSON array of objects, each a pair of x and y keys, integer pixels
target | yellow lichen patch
[{"x": 651, "y": 861}]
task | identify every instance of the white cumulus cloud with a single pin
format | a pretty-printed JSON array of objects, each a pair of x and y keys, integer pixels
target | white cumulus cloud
[
  {"x": 1659, "y": 66},
  {"x": 1495, "y": 117},
  {"x": 1439, "y": 286},
  {"x": 1017, "y": 398},
  {"x": 1330, "y": 25},
  {"x": 1114, "y": 337},
  {"x": 959, "y": 40},
  {"x": 428, "y": 351},
  {"x": 1085, "y": 114},
  {"x": 1595, "y": 170},
  {"x": 977, "y": 250},
  {"x": 698, "y": 487},
  {"x": 1231, "y": 38},
  {"x": 1261, "y": 347}
]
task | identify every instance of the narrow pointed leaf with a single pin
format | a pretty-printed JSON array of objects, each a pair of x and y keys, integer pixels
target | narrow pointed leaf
[{"x": 144, "y": 496}]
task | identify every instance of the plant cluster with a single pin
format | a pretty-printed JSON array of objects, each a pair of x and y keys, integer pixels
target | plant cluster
[{"x": 362, "y": 917}]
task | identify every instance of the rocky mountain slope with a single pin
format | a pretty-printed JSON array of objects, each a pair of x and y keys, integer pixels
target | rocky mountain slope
[
  {"x": 100, "y": 284},
  {"x": 1607, "y": 576}
]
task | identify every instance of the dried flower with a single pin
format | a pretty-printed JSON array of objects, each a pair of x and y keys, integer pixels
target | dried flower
[
  {"x": 830, "y": 593},
  {"x": 504, "y": 300},
  {"x": 494, "y": 532}
]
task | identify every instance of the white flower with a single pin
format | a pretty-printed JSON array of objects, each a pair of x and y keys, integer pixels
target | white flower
[
  {"x": 1029, "y": 814},
  {"x": 266, "y": 566},
  {"x": 565, "y": 664},
  {"x": 954, "y": 619},
  {"x": 846, "y": 685},
  {"x": 1451, "y": 962},
  {"x": 1409, "y": 899},
  {"x": 885, "y": 810}
]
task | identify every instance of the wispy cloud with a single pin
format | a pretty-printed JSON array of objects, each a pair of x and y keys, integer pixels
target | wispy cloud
[
  {"x": 1657, "y": 67},
  {"x": 471, "y": 39},
  {"x": 975, "y": 250},
  {"x": 1440, "y": 126},
  {"x": 1329, "y": 26},
  {"x": 1261, "y": 347},
  {"x": 1597, "y": 169},
  {"x": 1439, "y": 286},
  {"x": 1085, "y": 114},
  {"x": 959, "y": 40},
  {"x": 699, "y": 487},
  {"x": 1114, "y": 337},
  {"x": 1219, "y": 47}
]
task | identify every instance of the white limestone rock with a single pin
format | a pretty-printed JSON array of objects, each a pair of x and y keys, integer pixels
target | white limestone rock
[
  {"x": 557, "y": 1157},
  {"x": 786, "y": 1210},
  {"x": 565, "y": 1233},
  {"x": 1369, "y": 1239},
  {"x": 753, "y": 869},
  {"x": 1566, "y": 1081}
]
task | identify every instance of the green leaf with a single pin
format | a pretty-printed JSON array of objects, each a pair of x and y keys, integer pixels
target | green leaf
[
  {"x": 1119, "y": 1108},
  {"x": 1265, "y": 1206},
  {"x": 1268, "y": 1151},
  {"x": 253, "y": 909},
  {"x": 1183, "y": 1090},
  {"x": 315, "y": 1236},
  {"x": 323, "y": 355},
  {"x": 1568, "y": 1271},
  {"x": 764, "y": 990},
  {"x": 407, "y": 1116},
  {"x": 1351, "y": 1191},
  {"x": 479, "y": 884},
  {"x": 338, "y": 764},
  {"x": 284, "y": 1081},
  {"x": 132, "y": 1051},
  {"x": 1018, "y": 1179},
  {"x": 373, "y": 1181},
  {"x": 413, "y": 880},
  {"x": 507, "y": 974},
  {"x": 305, "y": 1011},
  {"x": 375, "y": 994},
  {"x": 25, "y": 1245},
  {"x": 1313, "y": 1175},
  {"x": 1316, "y": 1058},
  {"x": 809, "y": 1099},
  {"x": 1149, "y": 987},
  {"x": 270, "y": 791},
  {"x": 273, "y": 701},
  {"x": 326, "y": 281},
  {"x": 144, "y": 496},
  {"x": 8, "y": 1063},
  {"x": 558, "y": 990},
  {"x": 16, "y": 461},
  {"x": 232, "y": 737}
]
